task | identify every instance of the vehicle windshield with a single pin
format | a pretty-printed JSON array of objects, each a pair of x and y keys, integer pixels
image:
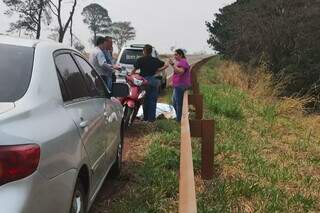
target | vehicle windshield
[
  {"x": 16, "y": 64},
  {"x": 130, "y": 56}
]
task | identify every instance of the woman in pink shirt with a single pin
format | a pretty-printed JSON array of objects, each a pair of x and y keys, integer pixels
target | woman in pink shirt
[{"x": 181, "y": 80}]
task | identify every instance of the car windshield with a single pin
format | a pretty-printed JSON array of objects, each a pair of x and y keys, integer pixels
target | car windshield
[
  {"x": 15, "y": 71},
  {"x": 130, "y": 56}
]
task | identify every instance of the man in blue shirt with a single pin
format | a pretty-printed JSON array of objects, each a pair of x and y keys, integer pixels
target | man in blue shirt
[
  {"x": 108, "y": 54},
  {"x": 108, "y": 50}
]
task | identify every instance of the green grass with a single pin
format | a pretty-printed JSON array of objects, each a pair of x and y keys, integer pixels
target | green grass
[
  {"x": 155, "y": 188},
  {"x": 264, "y": 162},
  {"x": 166, "y": 96},
  {"x": 258, "y": 170},
  {"x": 223, "y": 100}
]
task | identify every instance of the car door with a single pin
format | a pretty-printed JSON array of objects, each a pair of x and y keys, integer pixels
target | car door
[
  {"x": 86, "y": 108},
  {"x": 109, "y": 131}
]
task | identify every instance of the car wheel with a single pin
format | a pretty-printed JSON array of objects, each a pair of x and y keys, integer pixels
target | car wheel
[
  {"x": 79, "y": 201},
  {"x": 116, "y": 167}
]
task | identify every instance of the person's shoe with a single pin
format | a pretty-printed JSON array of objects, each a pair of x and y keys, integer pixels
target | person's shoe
[
  {"x": 142, "y": 121},
  {"x": 145, "y": 122}
]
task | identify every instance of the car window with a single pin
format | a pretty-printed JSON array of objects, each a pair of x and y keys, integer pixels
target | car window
[
  {"x": 71, "y": 76},
  {"x": 16, "y": 64},
  {"x": 130, "y": 56},
  {"x": 95, "y": 85},
  {"x": 64, "y": 92}
]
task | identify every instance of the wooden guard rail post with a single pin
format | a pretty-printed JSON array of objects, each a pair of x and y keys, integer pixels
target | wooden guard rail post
[
  {"x": 200, "y": 128},
  {"x": 204, "y": 129}
]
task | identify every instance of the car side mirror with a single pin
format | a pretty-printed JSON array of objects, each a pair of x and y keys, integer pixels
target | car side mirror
[{"x": 120, "y": 90}]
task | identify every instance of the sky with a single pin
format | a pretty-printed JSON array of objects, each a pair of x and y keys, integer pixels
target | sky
[{"x": 165, "y": 23}]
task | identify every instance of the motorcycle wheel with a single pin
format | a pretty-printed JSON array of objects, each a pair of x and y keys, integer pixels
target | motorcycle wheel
[
  {"x": 134, "y": 113},
  {"x": 127, "y": 117}
]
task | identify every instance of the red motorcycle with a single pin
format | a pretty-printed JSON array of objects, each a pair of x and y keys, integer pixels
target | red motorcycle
[{"x": 135, "y": 99}]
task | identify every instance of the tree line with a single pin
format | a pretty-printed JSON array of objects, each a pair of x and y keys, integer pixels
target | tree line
[
  {"x": 31, "y": 15},
  {"x": 282, "y": 35}
]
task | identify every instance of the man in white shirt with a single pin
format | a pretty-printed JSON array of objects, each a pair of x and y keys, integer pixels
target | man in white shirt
[
  {"x": 108, "y": 54},
  {"x": 98, "y": 60}
]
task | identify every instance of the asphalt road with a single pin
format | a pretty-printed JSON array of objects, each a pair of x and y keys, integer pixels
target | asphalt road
[{"x": 192, "y": 59}]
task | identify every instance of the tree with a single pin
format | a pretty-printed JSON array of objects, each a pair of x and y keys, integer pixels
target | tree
[
  {"x": 71, "y": 33},
  {"x": 97, "y": 18},
  {"x": 74, "y": 40},
  {"x": 54, "y": 35},
  {"x": 284, "y": 35},
  {"x": 56, "y": 9},
  {"x": 31, "y": 14},
  {"x": 78, "y": 44},
  {"x": 122, "y": 32}
]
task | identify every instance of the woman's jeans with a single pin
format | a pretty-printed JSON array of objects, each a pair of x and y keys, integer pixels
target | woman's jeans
[
  {"x": 150, "y": 102},
  {"x": 177, "y": 99}
]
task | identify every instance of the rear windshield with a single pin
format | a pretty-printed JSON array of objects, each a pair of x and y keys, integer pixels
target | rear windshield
[
  {"x": 130, "y": 56},
  {"x": 15, "y": 71}
]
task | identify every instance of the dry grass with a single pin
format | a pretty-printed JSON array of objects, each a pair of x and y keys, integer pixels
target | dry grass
[
  {"x": 260, "y": 84},
  {"x": 263, "y": 84},
  {"x": 136, "y": 143},
  {"x": 293, "y": 105},
  {"x": 232, "y": 74},
  {"x": 269, "y": 157}
]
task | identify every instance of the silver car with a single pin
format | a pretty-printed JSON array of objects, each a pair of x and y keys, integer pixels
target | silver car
[{"x": 60, "y": 130}]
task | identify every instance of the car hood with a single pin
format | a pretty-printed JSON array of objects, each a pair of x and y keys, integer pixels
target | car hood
[
  {"x": 127, "y": 66},
  {"x": 5, "y": 107}
]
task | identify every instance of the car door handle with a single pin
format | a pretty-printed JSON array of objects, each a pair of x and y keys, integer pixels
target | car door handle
[{"x": 84, "y": 124}]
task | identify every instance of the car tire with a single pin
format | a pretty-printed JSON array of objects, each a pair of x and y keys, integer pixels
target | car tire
[
  {"x": 117, "y": 165},
  {"x": 79, "y": 200}
]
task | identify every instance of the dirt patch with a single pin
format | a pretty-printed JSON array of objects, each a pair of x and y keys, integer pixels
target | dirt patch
[{"x": 135, "y": 146}]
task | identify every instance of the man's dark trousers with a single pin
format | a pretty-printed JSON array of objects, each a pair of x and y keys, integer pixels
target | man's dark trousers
[{"x": 150, "y": 102}]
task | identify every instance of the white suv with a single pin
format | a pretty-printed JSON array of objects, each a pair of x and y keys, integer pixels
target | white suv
[{"x": 129, "y": 55}]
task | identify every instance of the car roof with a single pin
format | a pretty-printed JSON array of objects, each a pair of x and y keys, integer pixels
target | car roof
[
  {"x": 136, "y": 46},
  {"x": 26, "y": 42},
  {"x": 18, "y": 41}
]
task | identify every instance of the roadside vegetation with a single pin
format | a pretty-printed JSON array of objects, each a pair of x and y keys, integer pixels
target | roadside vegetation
[
  {"x": 281, "y": 35},
  {"x": 267, "y": 151},
  {"x": 149, "y": 180},
  {"x": 267, "y": 155}
]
